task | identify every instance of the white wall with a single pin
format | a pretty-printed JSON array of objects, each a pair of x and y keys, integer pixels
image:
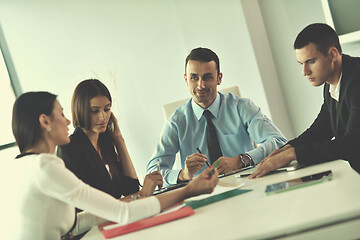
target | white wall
[
  {"x": 284, "y": 19},
  {"x": 137, "y": 48}
]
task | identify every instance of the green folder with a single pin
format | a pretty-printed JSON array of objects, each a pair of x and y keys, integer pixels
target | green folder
[{"x": 222, "y": 196}]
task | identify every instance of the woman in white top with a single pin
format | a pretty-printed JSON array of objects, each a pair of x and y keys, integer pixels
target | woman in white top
[{"x": 39, "y": 194}]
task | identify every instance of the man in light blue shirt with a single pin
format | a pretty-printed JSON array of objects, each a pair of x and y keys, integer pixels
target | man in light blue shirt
[{"x": 237, "y": 121}]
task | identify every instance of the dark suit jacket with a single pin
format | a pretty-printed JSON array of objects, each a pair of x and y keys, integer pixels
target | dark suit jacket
[
  {"x": 315, "y": 144},
  {"x": 83, "y": 160}
]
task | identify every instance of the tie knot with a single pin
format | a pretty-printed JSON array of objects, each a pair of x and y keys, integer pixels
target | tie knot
[{"x": 207, "y": 114}]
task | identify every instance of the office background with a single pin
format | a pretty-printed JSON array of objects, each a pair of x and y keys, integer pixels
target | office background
[{"x": 138, "y": 47}]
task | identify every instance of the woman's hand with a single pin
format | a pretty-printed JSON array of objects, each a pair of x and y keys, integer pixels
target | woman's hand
[
  {"x": 204, "y": 183},
  {"x": 123, "y": 154},
  {"x": 116, "y": 133},
  {"x": 151, "y": 181}
]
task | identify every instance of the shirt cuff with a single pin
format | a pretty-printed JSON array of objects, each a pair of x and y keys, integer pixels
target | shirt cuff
[
  {"x": 172, "y": 177},
  {"x": 255, "y": 155}
]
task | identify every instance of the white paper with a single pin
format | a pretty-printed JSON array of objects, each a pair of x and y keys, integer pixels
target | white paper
[{"x": 218, "y": 189}]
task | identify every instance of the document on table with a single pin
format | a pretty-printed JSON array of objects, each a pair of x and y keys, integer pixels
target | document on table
[{"x": 218, "y": 189}]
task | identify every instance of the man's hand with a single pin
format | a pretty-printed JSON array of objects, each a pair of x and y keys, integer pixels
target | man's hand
[
  {"x": 151, "y": 181},
  {"x": 277, "y": 160},
  {"x": 227, "y": 164},
  {"x": 193, "y": 163},
  {"x": 276, "y": 151}
]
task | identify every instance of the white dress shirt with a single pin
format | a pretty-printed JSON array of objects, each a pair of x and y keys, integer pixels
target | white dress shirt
[{"x": 335, "y": 92}]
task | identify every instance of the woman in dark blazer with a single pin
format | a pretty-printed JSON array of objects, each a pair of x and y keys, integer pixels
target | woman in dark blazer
[{"x": 97, "y": 153}]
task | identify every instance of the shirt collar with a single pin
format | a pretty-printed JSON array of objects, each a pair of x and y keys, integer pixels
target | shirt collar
[
  {"x": 335, "y": 92},
  {"x": 213, "y": 108}
]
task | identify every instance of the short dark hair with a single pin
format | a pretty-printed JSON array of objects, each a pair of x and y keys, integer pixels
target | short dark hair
[
  {"x": 25, "y": 119},
  {"x": 203, "y": 55},
  {"x": 321, "y": 34},
  {"x": 80, "y": 103}
]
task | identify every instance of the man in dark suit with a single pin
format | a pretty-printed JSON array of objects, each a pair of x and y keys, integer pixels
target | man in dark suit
[{"x": 335, "y": 133}]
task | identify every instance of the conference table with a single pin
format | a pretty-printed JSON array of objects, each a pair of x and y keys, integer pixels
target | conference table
[{"x": 329, "y": 210}]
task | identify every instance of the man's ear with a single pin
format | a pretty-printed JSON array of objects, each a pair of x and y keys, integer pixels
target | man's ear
[
  {"x": 219, "y": 78},
  {"x": 333, "y": 53},
  {"x": 185, "y": 78}
]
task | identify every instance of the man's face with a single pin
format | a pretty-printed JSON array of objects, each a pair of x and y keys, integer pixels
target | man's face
[
  {"x": 202, "y": 79},
  {"x": 315, "y": 66}
]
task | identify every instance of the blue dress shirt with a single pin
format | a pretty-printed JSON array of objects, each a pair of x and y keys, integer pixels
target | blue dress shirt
[{"x": 238, "y": 122}]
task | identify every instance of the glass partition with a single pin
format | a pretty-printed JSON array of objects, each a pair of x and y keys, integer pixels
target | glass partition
[{"x": 9, "y": 89}]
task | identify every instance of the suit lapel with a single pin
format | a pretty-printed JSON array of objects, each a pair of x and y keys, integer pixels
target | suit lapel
[
  {"x": 92, "y": 156},
  {"x": 333, "y": 114},
  {"x": 337, "y": 115},
  {"x": 331, "y": 104}
]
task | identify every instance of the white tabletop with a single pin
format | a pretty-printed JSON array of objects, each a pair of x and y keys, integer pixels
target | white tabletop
[{"x": 254, "y": 215}]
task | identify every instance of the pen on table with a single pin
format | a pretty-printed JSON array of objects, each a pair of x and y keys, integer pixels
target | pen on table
[
  {"x": 214, "y": 166},
  {"x": 243, "y": 175},
  {"x": 201, "y": 153},
  {"x": 269, "y": 173}
]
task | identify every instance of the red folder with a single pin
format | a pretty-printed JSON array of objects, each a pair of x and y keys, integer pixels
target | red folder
[{"x": 145, "y": 223}]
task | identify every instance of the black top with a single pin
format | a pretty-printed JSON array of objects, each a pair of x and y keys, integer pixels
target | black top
[
  {"x": 84, "y": 161},
  {"x": 336, "y": 119}
]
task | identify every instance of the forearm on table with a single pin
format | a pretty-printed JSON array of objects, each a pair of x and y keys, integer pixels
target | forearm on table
[{"x": 169, "y": 199}]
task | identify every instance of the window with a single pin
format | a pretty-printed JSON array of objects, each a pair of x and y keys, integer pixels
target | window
[
  {"x": 7, "y": 97},
  {"x": 9, "y": 89},
  {"x": 344, "y": 17}
]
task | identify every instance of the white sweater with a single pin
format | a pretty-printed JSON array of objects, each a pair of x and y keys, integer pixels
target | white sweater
[{"x": 39, "y": 195}]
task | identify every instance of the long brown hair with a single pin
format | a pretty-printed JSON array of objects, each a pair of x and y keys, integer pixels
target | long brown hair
[{"x": 80, "y": 103}]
